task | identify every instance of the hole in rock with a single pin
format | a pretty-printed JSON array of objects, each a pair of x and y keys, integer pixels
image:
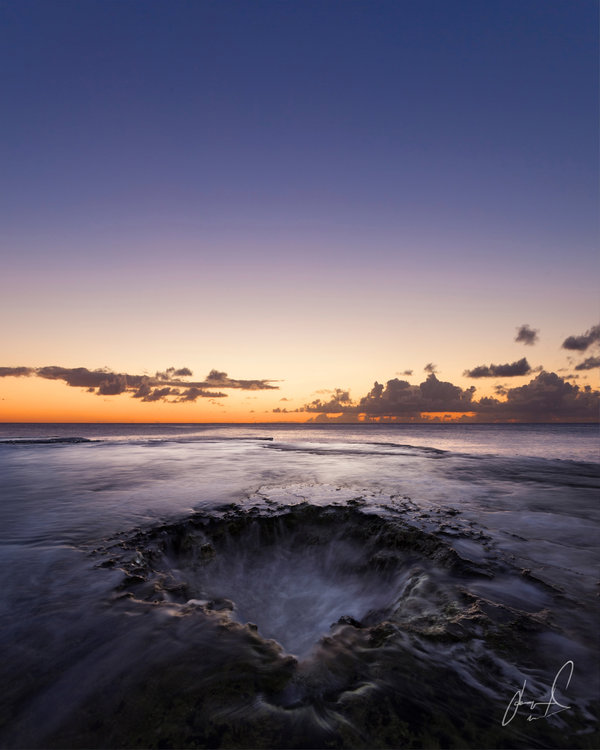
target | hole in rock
[{"x": 294, "y": 586}]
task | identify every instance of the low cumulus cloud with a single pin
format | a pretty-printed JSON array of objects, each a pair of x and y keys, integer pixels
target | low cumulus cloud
[
  {"x": 521, "y": 367},
  {"x": 430, "y": 367},
  {"x": 398, "y": 398},
  {"x": 527, "y": 335},
  {"x": 168, "y": 385},
  {"x": 339, "y": 402},
  {"x": 546, "y": 398},
  {"x": 581, "y": 343}
]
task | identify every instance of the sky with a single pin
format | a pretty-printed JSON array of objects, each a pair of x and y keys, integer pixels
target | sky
[{"x": 319, "y": 209}]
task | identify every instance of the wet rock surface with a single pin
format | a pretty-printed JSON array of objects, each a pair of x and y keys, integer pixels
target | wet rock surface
[{"x": 324, "y": 626}]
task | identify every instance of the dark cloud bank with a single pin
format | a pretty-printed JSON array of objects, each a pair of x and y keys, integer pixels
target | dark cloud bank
[
  {"x": 163, "y": 386},
  {"x": 546, "y": 398}
]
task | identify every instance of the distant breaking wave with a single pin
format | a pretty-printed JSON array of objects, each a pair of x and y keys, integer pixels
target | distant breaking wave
[{"x": 44, "y": 441}]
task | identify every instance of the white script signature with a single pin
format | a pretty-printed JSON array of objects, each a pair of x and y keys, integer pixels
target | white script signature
[{"x": 517, "y": 700}]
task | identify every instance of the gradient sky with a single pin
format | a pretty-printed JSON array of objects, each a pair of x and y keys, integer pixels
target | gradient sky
[{"x": 322, "y": 194}]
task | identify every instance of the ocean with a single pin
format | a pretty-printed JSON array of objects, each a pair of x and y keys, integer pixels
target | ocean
[{"x": 299, "y": 586}]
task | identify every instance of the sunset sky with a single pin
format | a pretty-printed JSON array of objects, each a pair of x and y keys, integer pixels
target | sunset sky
[{"x": 281, "y": 199}]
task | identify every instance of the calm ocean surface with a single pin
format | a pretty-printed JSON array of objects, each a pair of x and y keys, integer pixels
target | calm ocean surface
[{"x": 299, "y": 586}]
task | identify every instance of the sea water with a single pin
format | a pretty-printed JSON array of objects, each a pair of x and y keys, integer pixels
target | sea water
[{"x": 299, "y": 586}]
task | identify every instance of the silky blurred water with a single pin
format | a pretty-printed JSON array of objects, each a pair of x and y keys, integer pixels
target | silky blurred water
[{"x": 532, "y": 490}]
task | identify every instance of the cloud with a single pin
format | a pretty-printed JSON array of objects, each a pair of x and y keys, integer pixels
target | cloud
[
  {"x": 167, "y": 385},
  {"x": 546, "y": 398},
  {"x": 81, "y": 377},
  {"x": 588, "y": 364},
  {"x": 113, "y": 385},
  {"x": 216, "y": 376},
  {"x": 221, "y": 380},
  {"x": 160, "y": 393},
  {"x": 406, "y": 373},
  {"x": 16, "y": 372},
  {"x": 171, "y": 372},
  {"x": 143, "y": 391},
  {"x": 430, "y": 367},
  {"x": 339, "y": 402},
  {"x": 527, "y": 335},
  {"x": 521, "y": 367},
  {"x": 193, "y": 393},
  {"x": 581, "y": 343},
  {"x": 399, "y": 398}
]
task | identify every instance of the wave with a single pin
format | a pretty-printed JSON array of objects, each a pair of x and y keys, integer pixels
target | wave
[
  {"x": 529, "y": 470},
  {"x": 362, "y": 449},
  {"x": 129, "y": 440},
  {"x": 47, "y": 440}
]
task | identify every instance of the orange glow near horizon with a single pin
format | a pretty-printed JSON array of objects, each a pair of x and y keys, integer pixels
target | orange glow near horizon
[
  {"x": 444, "y": 416},
  {"x": 47, "y": 401},
  {"x": 425, "y": 416},
  {"x": 38, "y": 400}
]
